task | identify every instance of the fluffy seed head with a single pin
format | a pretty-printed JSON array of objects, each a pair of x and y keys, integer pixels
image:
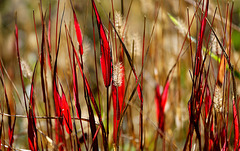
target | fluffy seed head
[
  {"x": 118, "y": 74},
  {"x": 119, "y": 23},
  {"x": 26, "y": 69},
  {"x": 182, "y": 28},
  {"x": 217, "y": 100},
  {"x": 137, "y": 43},
  {"x": 214, "y": 45}
]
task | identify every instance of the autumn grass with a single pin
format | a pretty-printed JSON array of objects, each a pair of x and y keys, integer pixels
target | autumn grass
[{"x": 157, "y": 76}]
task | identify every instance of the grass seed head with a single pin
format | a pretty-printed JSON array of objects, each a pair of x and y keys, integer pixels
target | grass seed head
[
  {"x": 217, "y": 100},
  {"x": 119, "y": 23},
  {"x": 182, "y": 28},
  {"x": 26, "y": 69},
  {"x": 118, "y": 74},
  {"x": 214, "y": 45}
]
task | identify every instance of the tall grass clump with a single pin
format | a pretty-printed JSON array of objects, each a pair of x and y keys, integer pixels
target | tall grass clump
[{"x": 119, "y": 75}]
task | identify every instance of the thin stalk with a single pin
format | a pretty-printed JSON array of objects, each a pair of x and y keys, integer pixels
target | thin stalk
[
  {"x": 95, "y": 61},
  {"x": 36, "y": 32},
  {"x": 107, "y": 113},
  {"x": 141, "y": 109},
  {"x": 57, "y": 27}
]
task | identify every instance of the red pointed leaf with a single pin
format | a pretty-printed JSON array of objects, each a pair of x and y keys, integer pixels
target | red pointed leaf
[
  {"x": 75, "y": 89},
  {"x": 106, "y": 57},
  {"x": 118, "y": 102},
  {"x": 10, "y": 126},
  {"x": 78, "y": 32},
  {"x": 208, "y": 102},
  {"x": 165, "y": 95},
  {"x": 49, "y": 38},
  {"x": 32, "y": 133},
  {"x": 200, "y": 41},
  {"x": 160, "y": 101},
  {"x": 66, "y": 113},
  {"x": 236, "y": 126},
  {"x": 10, "y": 133}
]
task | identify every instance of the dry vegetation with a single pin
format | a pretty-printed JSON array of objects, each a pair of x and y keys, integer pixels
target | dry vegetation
[{"x": 119, "y": 74}]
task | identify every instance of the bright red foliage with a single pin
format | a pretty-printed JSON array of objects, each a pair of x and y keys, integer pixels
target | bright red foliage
[
  {"x": 106, "y": 57},
  {"x": 160, "y": 100},
  {"x": 78, "y": 31},
  {"x": 65, "y": 111},
  {"x": 118, "y": 104},
  {"x": 200, "y": 40},
  {"x": 236, "y": 126}
]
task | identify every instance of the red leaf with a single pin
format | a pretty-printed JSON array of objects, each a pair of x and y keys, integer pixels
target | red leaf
[
  {"x": 57, "y": 98},
  {"x": 62, "y": 108},
  {"x": 65, "y": 111},
  {"x": 160, "y": 100},
  {"x": 208, "y": 102},
  {"x": 58, "y": 122},
  {"x": 32, "y": 130},
  {"x": 57, "y": 112},
  {"x": 32, "y": 133},
  {"x": 200, "y": 41},
  {"x": 10, "y": 133},
  {"x": 90, "y": 94},
  {"x": 10, "y": 126},
  {"x": 236, "y": 126},
  {"x": 118, "y": 102},
  {"x": 165, "y": 95},
  {"x": 106, "y": 57},
  {"x": 89, "y": 91},
  {"x": 78, "y": 31},
  {"x": 49, "y": 38},
  {"x": 75, "y": 89}
]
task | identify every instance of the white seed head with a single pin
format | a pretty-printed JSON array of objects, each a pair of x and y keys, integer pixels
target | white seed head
[
  {"x": 217, "y": 100},
  {"x": 119, "y": 24},
  {"x": 137, "y": 43},
  {"x": 182, "y": 27},
  {"x": 26, "y": 69},
  {"x": 214, "y": 45},
  {"x": 118, "y": 74},
  {"x": 86, "y": 49}
]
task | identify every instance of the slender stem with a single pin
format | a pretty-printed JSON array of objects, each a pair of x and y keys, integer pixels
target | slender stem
[{"x": 107, "y": 113}]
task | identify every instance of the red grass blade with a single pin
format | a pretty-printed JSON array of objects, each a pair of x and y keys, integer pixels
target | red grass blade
[
  {"x": 32, "y": 138},
  {"x": 49, "y": 38},
  {"x": 208, "y": 102},
  {"x": 57, "y": 110},
  {"x": 160, "y": 100},
  {"x": 32, "y": 130},
  {"x": 106, "y": 57},
  {"x": 90, "y": 94},
  {"x": 200, "y": 40},
  {"x": 75, "y": 89},
  {"x": 10, "y": 126},
  {"x": 118, "y": 100},
  {"x": 57, "y": 98},
  {"x": 139, "y": 89},
  {"x": 78, "y": 30},
  {"x": 236, "y": 126},
  {"x": 65, "y": 111},
  {"x": 10, "y": 133}
]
